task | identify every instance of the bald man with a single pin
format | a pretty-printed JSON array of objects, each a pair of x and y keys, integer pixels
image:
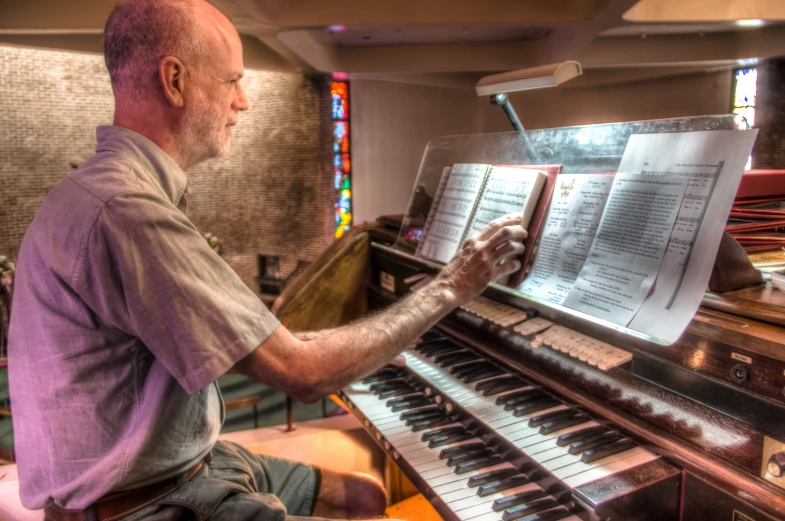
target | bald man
[{"x": 124, "y": 318}]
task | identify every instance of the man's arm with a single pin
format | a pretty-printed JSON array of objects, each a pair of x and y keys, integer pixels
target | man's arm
[{"x": 308, "y": 370}]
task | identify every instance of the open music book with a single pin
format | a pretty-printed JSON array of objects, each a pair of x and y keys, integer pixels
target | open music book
[{"x": 470, "y": 195}]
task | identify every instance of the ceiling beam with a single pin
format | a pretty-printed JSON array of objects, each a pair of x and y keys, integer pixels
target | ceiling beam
[
  {"x": 705, "y": 10},
  {"x": 319, "y": 13},
  {"x": 684, "y": 49}
]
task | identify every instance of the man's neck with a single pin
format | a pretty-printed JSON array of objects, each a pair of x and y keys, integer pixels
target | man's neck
[{"x": 158, "y": 130}]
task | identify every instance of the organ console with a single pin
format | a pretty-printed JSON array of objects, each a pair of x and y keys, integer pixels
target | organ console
[{"x": 511, "y": 409}]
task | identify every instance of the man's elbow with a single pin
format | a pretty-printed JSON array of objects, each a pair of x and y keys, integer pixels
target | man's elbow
[{"x": 307, "y": 389}]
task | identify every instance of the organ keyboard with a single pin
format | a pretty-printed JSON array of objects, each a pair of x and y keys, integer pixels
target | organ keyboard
[{"x": 490, "y": 445}]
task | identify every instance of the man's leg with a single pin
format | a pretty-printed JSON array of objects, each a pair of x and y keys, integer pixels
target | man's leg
[{"x": 349, "y": 495}]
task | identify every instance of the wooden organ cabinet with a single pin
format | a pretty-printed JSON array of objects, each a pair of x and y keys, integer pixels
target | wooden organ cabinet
[{"x": 505, "y": 410}]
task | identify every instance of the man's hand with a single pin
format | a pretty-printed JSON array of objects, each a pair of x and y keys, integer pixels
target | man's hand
[{"x": 484, "y": 257}]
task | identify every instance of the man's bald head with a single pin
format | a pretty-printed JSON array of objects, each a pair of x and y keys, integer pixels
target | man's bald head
[
  {"x": 176, "y": 67},
  {"x": 139, "y": 33}
]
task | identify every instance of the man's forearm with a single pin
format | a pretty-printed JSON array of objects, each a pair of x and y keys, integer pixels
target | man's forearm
[
  {"x": 360, "y": 348},
  {"x": 309, "y": 369}
]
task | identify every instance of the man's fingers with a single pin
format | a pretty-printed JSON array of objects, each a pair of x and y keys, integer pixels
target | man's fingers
[
  {"x": 497, "y": 224},
  {"x": 509, "y": 249},
  {"x": 514, "y": 232},
  {"x": 507, "y": 267},
  {"x": 398, "y": 361}
]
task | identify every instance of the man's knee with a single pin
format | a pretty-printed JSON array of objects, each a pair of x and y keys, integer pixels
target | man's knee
[
  {"x": 369, "y": 494},
  {"x": 350, "y": 494}
]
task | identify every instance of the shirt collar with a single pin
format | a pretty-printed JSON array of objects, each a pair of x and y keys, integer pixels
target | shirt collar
[{"x": 164, "y": 170}]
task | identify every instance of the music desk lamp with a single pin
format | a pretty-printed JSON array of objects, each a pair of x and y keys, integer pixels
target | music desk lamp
[{"x": 498, "y": 85}]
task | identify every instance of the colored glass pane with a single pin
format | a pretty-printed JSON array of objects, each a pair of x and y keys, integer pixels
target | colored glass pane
[
  {"x": 340, "y": 136},
  {"x": 347, "y": 163},
  {"x": 339, "y": 93},
  {"x": 342, "y": 165},
  {"x": 745, "y": 117},
  {"x": 746, "y": 90}
]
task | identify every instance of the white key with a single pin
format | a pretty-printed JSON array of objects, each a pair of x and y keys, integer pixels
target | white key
[{"x": 437, "y": 463}]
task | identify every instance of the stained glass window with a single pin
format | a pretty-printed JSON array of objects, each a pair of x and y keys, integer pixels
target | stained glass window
[
  {"x": 745, "y": 93},
  {"x": 342, "y": 162}
]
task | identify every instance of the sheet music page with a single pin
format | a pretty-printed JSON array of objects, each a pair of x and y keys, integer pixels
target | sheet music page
[
  {"x": 447, "y": 221},
  {"x": 506, "y": 191},
  {"x": 575, "y": 212},
  {"x": 712, "y": 162},
  {"x": 629, "y": 246}
]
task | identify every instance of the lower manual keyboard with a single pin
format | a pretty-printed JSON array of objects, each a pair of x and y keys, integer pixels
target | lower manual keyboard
[{"x": 489, "y": 444}]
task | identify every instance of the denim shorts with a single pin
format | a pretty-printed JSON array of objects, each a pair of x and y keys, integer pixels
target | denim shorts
[{"x": 237, "y": 485}]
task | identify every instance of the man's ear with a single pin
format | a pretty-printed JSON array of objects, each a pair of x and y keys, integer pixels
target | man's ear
[{"x": 171, "y": 73}]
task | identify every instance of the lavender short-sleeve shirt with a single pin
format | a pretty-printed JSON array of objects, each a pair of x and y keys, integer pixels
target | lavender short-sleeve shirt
[{"x": 123, "y": 318}]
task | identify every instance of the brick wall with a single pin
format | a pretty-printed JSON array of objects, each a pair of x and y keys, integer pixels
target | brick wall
[
  {"x": 769, "y": 149},
  {"x": 268, "y": 195}
]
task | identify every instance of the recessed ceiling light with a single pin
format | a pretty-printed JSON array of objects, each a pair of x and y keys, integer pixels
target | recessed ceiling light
[
  {"x": 336, "y": 28},
  {"x": 750, "y": 23}
]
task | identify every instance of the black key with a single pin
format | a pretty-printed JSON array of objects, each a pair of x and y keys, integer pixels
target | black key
[
  {"x": 442, "y": 350},
  {"x": 403, "y": 404},
  {"x": 487, "y": 477},
  {"x": 555, "y": 514},
  {"x": 517, "y": 499},
  {"x": 588, "y": 432},
  {"x": 461, "y": 449},
  {"x": 513, "y": 399},
  {"x": 460, "y": 458},
  {"x": 595, "y": 441},
  {"x": 447, "y": 439},
  {"x": 608, "y": 450},
  {"x": 408, "y": 415},
  {"x": 536, "y": 421},
  {"x": 423, "y": 346},
  {"x": 382, "y": 374},
  {"x": 531, "y": 507},
  {"x": 558, "y": 425},
  {"x": 502, "y": 485},
  {"x": 398, "y": 391},
  {"x": 432, "y": 334},
  {"x": 467, "y": 366},
  {"x": 435, "y": 347},
  {"x": 479, "y": 463},
  {"x": 430, "y": 415},
  {"x": 535, "y": 406},
  {"x": 431, "y": 423},
  {"x": 476, "y": 376},
  {"x": 500, "y": 385},
  {"x": 462, "y": 371},
  {"x": 443, "y": 432},
  {"x": 388, "y": 384},
  {"x": 455, "y": 358}
]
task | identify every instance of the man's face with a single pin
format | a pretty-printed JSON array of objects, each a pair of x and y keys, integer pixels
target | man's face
[{"x": 214, "y": 96}]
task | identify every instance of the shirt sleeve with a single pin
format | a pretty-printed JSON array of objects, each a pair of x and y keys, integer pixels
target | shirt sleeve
[{"x": 146, "y": 270}]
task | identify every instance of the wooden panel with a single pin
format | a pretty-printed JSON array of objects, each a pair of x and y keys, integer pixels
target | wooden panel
[
  {"x": 416, "y": 508},
  {"x": 332, "y": 291}
]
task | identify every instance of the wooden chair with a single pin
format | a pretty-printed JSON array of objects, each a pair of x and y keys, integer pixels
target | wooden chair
[{"x": 239, "y": 403}]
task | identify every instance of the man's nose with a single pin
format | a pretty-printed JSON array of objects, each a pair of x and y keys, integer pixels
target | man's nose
[{"x": 240, "y": 101}]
